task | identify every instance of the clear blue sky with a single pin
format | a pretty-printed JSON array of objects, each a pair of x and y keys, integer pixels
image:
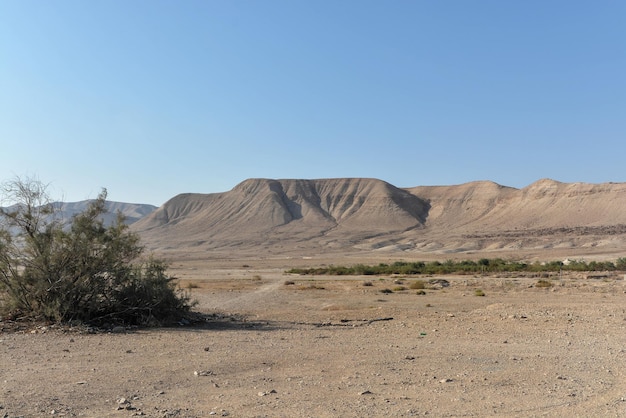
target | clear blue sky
[{"x": 154, "y": 98}]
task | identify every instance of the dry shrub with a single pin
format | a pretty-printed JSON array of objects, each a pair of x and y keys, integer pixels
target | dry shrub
[
  {"x": 543, "y": 283},
  {"x": 417, "y": 284}
]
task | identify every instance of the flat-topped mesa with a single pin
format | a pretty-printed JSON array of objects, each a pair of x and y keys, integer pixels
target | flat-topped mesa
[{"x": 258, "y": 209}]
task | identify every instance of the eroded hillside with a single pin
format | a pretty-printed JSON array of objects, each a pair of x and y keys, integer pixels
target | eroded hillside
[{"x": 263, "y": 216}]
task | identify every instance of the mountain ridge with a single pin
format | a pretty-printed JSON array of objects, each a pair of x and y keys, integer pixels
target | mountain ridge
[{"x": 288, "y": 216}]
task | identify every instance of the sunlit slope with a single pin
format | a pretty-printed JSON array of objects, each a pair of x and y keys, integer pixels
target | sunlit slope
[{"x": 262, "y": 212}]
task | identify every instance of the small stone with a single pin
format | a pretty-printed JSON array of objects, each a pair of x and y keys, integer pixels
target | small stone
[
  {"x": 206, "y": 348},
  {"x": 445, "y": 381},
  {"x": 365, "y": 392},
  {"x": 262, "y": 393},
  {"x": 203, "y": 373}
]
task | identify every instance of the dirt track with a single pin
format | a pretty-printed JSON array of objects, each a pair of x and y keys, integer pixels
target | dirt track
[{"x": 327, "y": 346}]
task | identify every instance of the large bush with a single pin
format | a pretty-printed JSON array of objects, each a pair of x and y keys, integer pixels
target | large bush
[{"x": 81, "y": 270}]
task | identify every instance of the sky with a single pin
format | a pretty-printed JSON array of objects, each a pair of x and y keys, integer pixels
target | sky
[{"x": 151, "y": 98}]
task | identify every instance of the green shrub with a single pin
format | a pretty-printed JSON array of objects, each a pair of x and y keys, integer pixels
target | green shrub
[
  {"x": 479, "y": 292},
  {"x": 399, "y": 288},
  {"x": 85, "y": 272}
]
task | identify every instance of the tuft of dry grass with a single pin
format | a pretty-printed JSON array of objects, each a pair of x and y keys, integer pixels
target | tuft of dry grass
[
  {"x": 543, "y": 283},
  {"x": 417, "y": 284}
]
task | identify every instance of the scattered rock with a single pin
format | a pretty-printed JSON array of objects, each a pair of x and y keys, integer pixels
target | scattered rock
[
  {"x": 123, "y": 403},
  {"x": 366, "y": 392},
  {"x": 438, "y": 283},
  {"x": 445, "y": 381}
]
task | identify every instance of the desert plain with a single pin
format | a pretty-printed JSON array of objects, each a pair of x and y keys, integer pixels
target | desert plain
[{"x": 283, "y": 345}]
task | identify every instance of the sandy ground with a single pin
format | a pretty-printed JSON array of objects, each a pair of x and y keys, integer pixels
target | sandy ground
[{"x": 334, "y": 347}]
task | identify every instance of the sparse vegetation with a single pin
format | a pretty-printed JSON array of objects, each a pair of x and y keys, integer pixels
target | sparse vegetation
[
  {"x": 386, "y": 290},
  {"x": 82, "y": 272},
  {"x": 479, "y": 292},
  {"x": 420, "y": 292},
  {"x": 289, "y": 283},
  {"x": 399, "y": 288},
  {"x": 368, "y": 283}
]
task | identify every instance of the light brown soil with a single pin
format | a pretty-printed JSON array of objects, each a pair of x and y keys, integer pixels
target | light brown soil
[{"x": 333, "y": 347}]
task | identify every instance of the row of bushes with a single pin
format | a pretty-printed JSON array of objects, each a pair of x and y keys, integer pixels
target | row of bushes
[{"x": 462, "y": 267}]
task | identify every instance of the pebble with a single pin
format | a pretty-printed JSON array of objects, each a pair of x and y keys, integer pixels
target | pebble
[{"x": 445, "y": 381}]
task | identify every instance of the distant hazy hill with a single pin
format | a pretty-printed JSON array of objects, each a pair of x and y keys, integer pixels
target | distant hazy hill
[
  {"x": 132, "y": 211},
  {"x": 262, "y": 216}
]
